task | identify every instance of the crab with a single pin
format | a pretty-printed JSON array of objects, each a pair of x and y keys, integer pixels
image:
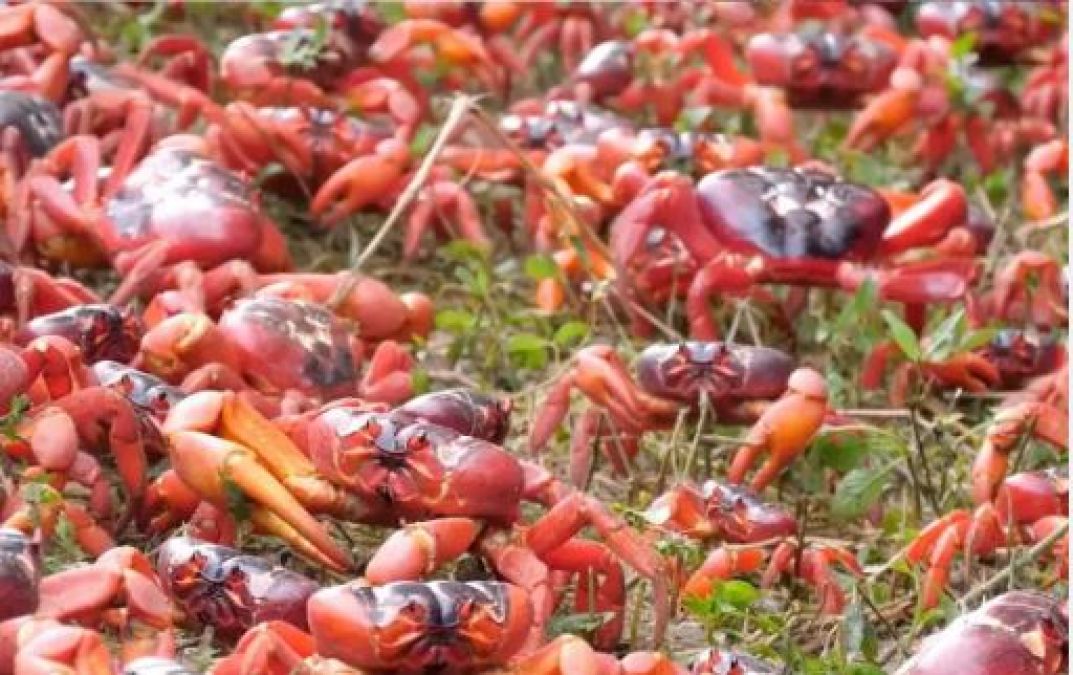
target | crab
[
  {"x": 818, "y": 68},
  {"x": 1038, "y": 201},
  {"x": 45, "y": 369},
  {"x": 20, "y": 573},
  {"x": 1004, "y": 30},
  {"x": 39, "y": 24},
  {"x": 221, "y": 587},
  {"x": 737, "y": 382},
  {"x": 277, "y": 345},
  {"x": 1017, "y": 633},
  {"x": 1026, "y": 506},
  {"x": 452, "y": 627},
  {"x": 375, "y": 467},
  {"x": 142, "y": 221},
  {"x": 30, "y": 126},
  {"x": 1030, "y": 289},
  {"x": 101, "y": 331},
  {"x": 376, "y": 310},
  {"x": 735, "y": 515},
  {"x": 27, "y": 292},
  {"x": 804, "y": 227}
]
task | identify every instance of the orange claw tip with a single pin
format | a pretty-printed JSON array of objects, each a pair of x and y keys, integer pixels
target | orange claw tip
[
  {"x": 808, "y": 382},
  {"x": 199, "y": 411}
]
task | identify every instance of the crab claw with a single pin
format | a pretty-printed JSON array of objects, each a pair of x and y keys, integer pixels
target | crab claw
[
  {"x": 721, "y": 564},
  {"x": 814, "y": 568},
  {"x": 783, "y": 430},
  {"x": 884, "y": 116},
  {"x": 1044, "y": 421},
  {"x": 420, "y": 548},
  {"x": 260, "y": 460},
  {"x": 733, "y": 513},
  {"x": 361, "y": 182}
]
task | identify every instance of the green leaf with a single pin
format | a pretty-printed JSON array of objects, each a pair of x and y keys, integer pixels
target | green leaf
[
  {"x": 858, "y": 635},
  {"x": 902, "y": 335},
  {"x": 422, "y": 140},
  {"x": 17, "y": 409},
  {"x": 840, "y": 450},
  {"x": 419, "y": 380},
  {"x": 974, "y": 339},
  {"x": 238, "y": 505},
  {"x": 634, "y": 23},
  {"x": 578, "y": 624},
  {"x": 943, "y": 339},
  {"x": 455, "y": 321},
  {"x": 541, "y": 267},
  {"x": 963, "y": 45},
  {"x": 571, "y": 333},
  {"x": 528, "y": 350},
  {"x": 737, "y": 593},
  {"x": 858, "y": 491}
]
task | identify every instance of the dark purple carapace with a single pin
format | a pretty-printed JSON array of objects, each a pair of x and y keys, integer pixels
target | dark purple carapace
[
  {"x": 742, "y": 516},
  {"x": 1021, "y": 355},
  {"x": 20, "y": 572},
  {"x": 1018, "y": 633},
  {"x": 722, "y": 371},
  {"x": 818, "y": 68},
  {"x": 607, "y": 68},
  {"x": 36, "y": 121},
  {"x": 716, "y": 661},
  {"x": 101, "y": 331},
  {"x": 296, "y": 345},
  {"x": 468, "y": 412},
  {"x": 793, "y": 213},
  {"x": 220, "y": 586},
  {"x": 1004, "y": 29},
  {"x": 562, "y": 122},
  {"x": 142, "y": 389}
]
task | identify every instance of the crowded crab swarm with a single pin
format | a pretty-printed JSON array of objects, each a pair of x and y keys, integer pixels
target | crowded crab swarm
[{"x": 633, "y": 338}]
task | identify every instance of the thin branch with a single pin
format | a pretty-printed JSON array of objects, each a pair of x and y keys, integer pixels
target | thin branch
[{"x": 1016, "y": 562}]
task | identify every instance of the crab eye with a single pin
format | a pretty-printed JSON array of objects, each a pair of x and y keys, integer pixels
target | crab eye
[
  {"x": 371, "y": 428},
  {"x": 418, "y": 442}
]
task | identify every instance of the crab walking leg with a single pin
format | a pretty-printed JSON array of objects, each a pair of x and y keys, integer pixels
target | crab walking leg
[{"x": 784, "y": 429}]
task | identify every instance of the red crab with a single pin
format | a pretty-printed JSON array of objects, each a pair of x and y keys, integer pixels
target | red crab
[
  {"x": 20, "y": 573},
  {"x": 738, "y": 382},
  {"x": 143, "y": 220},
  {"x": 736, "y": 515},
  {"x": 1004, "y": 30},
  {"x": 27, "y": 292},
  {"x": 39, "y": 24},
  {"x": 1017, "y": 633},
  {"x": 277, "y": 345},
  {"x": 380, "y": 468},
  {"x": 798, "y": 226},
  {"x": 220, "y": 587},
  {"x": 100, "y": 331}
]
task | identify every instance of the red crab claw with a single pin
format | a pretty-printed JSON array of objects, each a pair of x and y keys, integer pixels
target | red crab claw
[
  {"x": 50, "y": 647},
  {"x": 387, "y": 377},
  {"x": 419, "y": 549},
  {"x": 1037, "y": 199},
  {"x": 87, "y": 594},
  {"x": 453, "y": 45},
  {"x": 813, "y": 566},
  {"x": 979, "y": 533},
  {"x": 189, "y": 61},
  {"x": 884, "y": 116},
  {"x": 1042, "y": 420},
  {"x": 384, "y": 94},
  {"x": 260, "y": 460},
  {"x": 942, "y": 205},
  {"x": 733, "y": 513},
  {"x": 1045, "y": 304},
  {"x": 1030, "y": 496},
  {"x": 48, "y": 368},
  {"x": 600, "y": 374},
  {"x": 269, "y": 648},
  {"x": 361, "y": 182},
  {"x": 721, "y": 564},
  {"x": 783, "y": 430},
  {"x": 436, "y": 203}
]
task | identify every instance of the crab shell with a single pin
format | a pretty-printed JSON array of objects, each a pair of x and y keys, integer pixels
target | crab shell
[
  {"x": 725, "y": 372},
  {"x": 102, "y": 332},
  {"x": 820, "y": 68},
  {"x": 20, "y": 574},
  {"x": 144, "y": 390},
  {"x": 1018, "y": 633},
  {"x": 406, "y": 471},
  {"x": 221, "y": 587},
  {"x": 412, "y": 627},
  {"x": 37, "y": 121},
  {"x": 468, "y": 412},
  {"x": 205, "y": 212},
  {"x": 1003, "y": 29},
  {"x": 290, "y": 344}
]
